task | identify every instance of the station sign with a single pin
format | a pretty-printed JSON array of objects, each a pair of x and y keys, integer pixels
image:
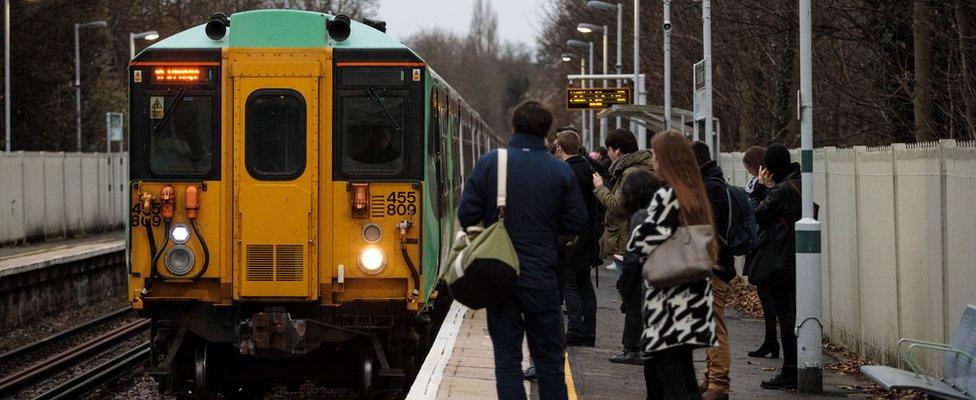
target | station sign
[{"x": 596, "y": 98}]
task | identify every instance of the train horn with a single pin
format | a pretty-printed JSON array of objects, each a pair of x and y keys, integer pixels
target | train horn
[
  {"x": 217, "y": 26},
  {"x": 339, "y": 28}
]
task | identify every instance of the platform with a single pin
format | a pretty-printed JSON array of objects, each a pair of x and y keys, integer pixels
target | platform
[
  {"x": 20, "y": 259},
  {"x": 460, "y": 364}
]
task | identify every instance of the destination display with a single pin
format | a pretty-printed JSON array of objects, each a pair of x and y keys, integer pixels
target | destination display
[{"x": 596, "y": 98}]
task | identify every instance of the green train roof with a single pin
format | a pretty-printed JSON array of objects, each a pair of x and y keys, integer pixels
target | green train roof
[{"x": 282, "y": 29}]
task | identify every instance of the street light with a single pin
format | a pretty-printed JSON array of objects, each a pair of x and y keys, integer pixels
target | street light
[
  {"x": 588, "y": 133},
  {"x": 566, "y": 57},
  {"x": 78, "y": 27},
  {"x": 619, "y": 9},
  {"x": 6, "y": 73},
  {"x": 148, "y": 35},
  {"x": 591, "y": 28}
]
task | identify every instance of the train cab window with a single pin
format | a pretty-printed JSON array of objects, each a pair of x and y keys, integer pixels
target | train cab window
[
  {"x": 274, "y": 134},
  {"x": 372, "y": 134},
  {"x": 182, "y": 142}
]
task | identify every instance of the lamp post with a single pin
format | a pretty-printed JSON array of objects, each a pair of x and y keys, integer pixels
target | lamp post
[
  {"x": 588, "y": 83},
  {"x": 619, "y": 9},
  {"x": 566, "y": 57},
  {"x": 78, "y": 27},
  {"x": 6, "y": 74},
  {"x": 667, "y": 64},
  {"x": 590, "y": 28},
  {"x": 148, "y": 35},
  {"x": 709, "y": 134}
]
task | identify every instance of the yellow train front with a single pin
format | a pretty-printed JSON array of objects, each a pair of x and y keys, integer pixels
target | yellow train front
[{"x": 293, "y": 180}]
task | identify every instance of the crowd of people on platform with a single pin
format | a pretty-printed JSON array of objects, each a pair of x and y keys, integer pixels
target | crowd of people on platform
[{"x": 570, "y": 211}]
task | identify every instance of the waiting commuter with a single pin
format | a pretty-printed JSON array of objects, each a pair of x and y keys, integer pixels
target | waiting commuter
[
  {"x": 604, "y": 157},
  {"x": 677, "y": 319},
  {"x": 776, "y": 215},
  {"x": 622, "y": 149},
  {"x": 752, "y": 160},
  {"x": 580, "y": 297},
  {"x": 543, "y": 200},
  {"x": 636, "y": 190},
  {"x": 718, "y": 361}
]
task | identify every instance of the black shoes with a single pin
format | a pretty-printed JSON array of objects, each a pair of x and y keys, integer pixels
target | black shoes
[
  {"x": 583, "y": 341},
  {"x": 785, "y": 380},
  {"x": 768, "y": 348},
  {"x": 627, "y": 357}
]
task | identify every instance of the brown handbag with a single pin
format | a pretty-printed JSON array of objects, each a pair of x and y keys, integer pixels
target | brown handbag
[{"x": 682, "y": 258}]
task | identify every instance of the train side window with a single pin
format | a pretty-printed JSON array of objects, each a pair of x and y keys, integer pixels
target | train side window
[{"x": 275, "y": 134}]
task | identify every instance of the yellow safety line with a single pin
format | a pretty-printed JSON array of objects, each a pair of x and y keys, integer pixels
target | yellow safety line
[{"x": 570, "y": 386}]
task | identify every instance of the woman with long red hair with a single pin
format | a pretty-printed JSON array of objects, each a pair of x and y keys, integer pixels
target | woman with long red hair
[{"x": 677, "y": 319}]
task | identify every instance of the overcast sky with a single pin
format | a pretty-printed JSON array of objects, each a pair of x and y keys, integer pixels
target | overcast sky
[{"x": 517, "y": 19}]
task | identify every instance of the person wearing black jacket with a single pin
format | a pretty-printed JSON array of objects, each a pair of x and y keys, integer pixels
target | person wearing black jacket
[
  {"x": 777, "y": 215},
  {"x": 718, "y": 361},
  {"x": 752, "y": 160},
  {"x": 580, "y": 296}
]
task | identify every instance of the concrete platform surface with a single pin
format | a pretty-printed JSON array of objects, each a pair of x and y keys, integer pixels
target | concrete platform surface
[
  {"x": 19, "y": 259},
  {"x": 460, "y": 365}
]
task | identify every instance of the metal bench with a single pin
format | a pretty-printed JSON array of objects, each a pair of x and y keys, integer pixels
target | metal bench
[{"x": 958, "y": 365}]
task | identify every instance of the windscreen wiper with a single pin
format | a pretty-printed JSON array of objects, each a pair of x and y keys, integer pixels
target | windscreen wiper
[
  {"x": 386, "y": 111},
  {"x": 169, "y": 113}
]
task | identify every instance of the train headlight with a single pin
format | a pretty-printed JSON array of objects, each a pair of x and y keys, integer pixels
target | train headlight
[
  {"x": 179, "y": 260},
  {"x": 372, "y": 260},
  {"x": 179, "y": 234}
]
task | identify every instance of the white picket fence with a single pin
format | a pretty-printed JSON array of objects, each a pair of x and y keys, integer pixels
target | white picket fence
[
  {"x": 44, "y": 195},
  {"x": 899, "y": 241}
]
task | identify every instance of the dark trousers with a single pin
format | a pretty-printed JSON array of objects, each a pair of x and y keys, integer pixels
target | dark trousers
[
  {"x": 670, "y": 375},
  {"x": 783, "y": 290},
  {"x": 580, "y": 303},
  {"x": 534, "y": 314},
  {"x": 769, "y": 311},
  {"x": 634, "y": 320}
]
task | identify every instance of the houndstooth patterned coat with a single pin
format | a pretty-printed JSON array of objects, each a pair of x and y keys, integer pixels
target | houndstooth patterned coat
[{"x": 678, "y": 315}]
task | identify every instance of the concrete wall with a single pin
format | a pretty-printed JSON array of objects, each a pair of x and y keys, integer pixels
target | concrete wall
[
  {"x": 44, "y": 195},
  {"x": 898, "y": 247}
]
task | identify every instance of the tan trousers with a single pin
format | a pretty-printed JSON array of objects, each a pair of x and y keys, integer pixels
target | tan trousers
[{"x": 718, "y": 360}]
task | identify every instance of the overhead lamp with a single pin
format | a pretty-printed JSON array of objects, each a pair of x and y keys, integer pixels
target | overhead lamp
[{"x": 589, "y": 28}]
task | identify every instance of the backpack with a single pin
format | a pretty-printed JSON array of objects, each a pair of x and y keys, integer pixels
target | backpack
[
  {"x": 483, "y": 265},
  {"x": 742, "y": 234}
]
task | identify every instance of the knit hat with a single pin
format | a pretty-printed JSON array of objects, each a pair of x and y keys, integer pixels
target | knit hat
[{"x": 777, "y": 159}]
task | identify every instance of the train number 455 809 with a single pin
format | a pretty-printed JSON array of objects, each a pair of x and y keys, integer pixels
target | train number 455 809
[{"x": 401, "y": 203}]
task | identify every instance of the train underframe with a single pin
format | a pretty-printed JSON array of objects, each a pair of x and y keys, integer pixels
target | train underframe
[{"x": 200, "y": 349}]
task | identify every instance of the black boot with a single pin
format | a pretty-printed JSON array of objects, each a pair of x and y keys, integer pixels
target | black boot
[
  {"x": 785, "y": 380},
  {"x": 770, "y": 347},
  {"x": 627, "y": 357}
]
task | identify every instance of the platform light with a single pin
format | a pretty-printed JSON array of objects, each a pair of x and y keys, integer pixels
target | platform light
[
  {"x": 588, "y": 28},
  {"x": 566, "y": 57},
  {"x": 372, "y": 260}
]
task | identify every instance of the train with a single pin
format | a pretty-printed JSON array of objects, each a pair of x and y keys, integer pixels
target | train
[{"x": 294, "y": 178}]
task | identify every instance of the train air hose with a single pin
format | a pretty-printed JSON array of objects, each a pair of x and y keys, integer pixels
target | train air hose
[
  {"x": 155, "y": 258},
  {"x": 404, "y": 226},
  {"x": 206, "y": 250}
]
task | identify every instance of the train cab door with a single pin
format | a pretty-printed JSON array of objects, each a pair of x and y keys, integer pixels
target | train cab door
[{"x": 276, "y": 178}]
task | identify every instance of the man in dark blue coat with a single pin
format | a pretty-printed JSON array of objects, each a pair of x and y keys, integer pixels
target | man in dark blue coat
[{"x": 543, "y": 201}]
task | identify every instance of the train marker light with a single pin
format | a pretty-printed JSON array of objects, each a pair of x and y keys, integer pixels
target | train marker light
[
  {"x": 179, "y": 234},
  {"x": 360, "y": 200},
  {"x": 372, "y": 260}
]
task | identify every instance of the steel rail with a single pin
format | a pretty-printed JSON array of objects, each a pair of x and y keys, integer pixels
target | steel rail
[
  {"x": 95, "y": 377},
  {"x": 6, "y": 357},
  {"x": 64, "y": 359}
]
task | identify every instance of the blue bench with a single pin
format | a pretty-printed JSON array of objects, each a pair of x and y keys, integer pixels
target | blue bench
[{"x": 958, "y": 364}]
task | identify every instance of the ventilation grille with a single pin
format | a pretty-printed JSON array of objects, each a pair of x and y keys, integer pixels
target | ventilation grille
[
  {"x": 288, "y": 262},
  {"x": 282, "y": 263},
  {"x": 260, "y": 262}
]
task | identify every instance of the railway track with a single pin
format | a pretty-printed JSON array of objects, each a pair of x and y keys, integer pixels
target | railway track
[{"x": 51, "y": 367}]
